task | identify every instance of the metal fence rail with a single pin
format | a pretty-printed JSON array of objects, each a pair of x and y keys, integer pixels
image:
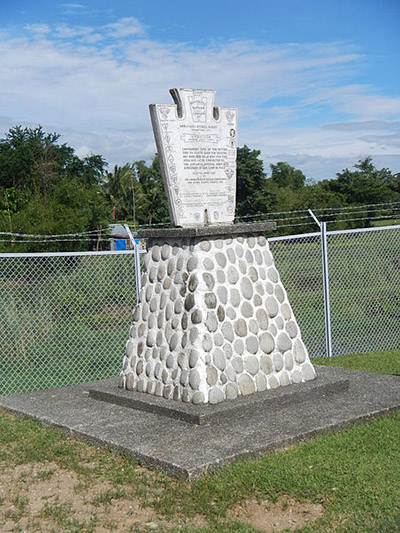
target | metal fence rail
[{"x": 63, "y": 317}]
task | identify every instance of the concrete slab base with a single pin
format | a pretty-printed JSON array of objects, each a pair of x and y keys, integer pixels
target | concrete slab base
[{"x": 186, "y": 450}]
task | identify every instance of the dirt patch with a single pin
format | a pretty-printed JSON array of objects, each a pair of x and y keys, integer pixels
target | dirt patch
[
  {"x": 286, "y": 513},
  {"x": 43, "y": 497}
]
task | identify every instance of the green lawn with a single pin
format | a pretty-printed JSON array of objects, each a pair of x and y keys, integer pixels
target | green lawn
[{"x": 354, "y": 475}]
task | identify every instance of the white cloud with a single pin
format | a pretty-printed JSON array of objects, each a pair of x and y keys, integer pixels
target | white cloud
[{"x": 94, "y": 84}]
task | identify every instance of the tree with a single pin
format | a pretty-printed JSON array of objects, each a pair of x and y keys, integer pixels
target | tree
[
  {"x": 46, "y": 188},
  {"x": 284, "y": 175},
  {"x": 253, "y": 195},
  {"x": 152, "y": 204}
]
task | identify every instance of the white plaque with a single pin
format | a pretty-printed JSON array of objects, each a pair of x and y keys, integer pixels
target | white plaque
[{"x": 196, "y": 144}]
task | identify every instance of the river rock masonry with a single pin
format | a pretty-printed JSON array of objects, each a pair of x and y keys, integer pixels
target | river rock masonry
[{"x": 213, "y": 321}]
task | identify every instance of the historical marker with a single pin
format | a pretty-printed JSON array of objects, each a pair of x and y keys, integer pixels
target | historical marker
[{"x": 196, "y": 143}]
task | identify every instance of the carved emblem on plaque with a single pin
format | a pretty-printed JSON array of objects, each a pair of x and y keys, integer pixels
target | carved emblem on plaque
[{"x": 196, "y": 143}]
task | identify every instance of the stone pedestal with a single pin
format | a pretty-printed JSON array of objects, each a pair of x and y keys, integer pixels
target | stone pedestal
[{"x": 213, "y": 320}]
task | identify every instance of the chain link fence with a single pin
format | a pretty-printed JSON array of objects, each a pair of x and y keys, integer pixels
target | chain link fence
[
  {"x": 64, "y": 318},
  {"x": 364, "y": 285}
]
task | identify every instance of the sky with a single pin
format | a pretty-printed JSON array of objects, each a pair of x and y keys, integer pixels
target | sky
[{"x": 316, "y": 82}]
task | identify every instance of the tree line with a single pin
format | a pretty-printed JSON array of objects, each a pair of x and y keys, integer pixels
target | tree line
[{"x": 45, "y": 188}]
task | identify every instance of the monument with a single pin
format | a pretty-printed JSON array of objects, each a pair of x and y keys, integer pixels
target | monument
[{"x": 213, "y": 321}]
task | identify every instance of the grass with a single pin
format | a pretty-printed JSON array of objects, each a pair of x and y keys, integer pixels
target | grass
[
  {"x": 387, "y": 362},
  {"x": 354, "y": 474}
]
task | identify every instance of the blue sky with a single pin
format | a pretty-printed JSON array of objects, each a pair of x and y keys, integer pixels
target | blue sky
[{"x": 316, "y": 83}]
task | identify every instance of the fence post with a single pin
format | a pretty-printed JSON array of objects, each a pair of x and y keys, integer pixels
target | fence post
[
  {"x": 325, "y": 281},
  {"x": 136, "y": 256}
]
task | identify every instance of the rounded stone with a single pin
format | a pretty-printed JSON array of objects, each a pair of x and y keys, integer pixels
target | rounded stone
[
  {"x": 251, "y": 364},
  {"x": 140, "y": 347},
  {"x": 140, "y": 387},
  {"x": 208, "y": 263},
  {"x": 273, "y": 274},
  {"x": 262, "y": 241},
  {"x": 129, "y": 381},
  {"x": 227, "y": 331},
  {"x": 175, "y": 322},
  {"x": 178, "y": 307},
  {"x": 272, "y": 329},
  {"x": 230, "y": 373},
  {"x": 148, "y": 292},
  {"x": 235, "y": 297},
  {"x": 167, "y": 391},
  {"x": 262, "y": 319},
  {"x": 266, "y": 365},
  {"x": 291, "y": 329},
  {"x": 211, "y": 321},
  {"x": 192, "y": 263},
  {"x": 210, "y": 300},
  {"x": 272, "y": 306},
  {"x": 173, "y": 294},
  {"x": 259, "y": 288},
  {"x": 218, "y": 339},
  {"x": 246, "y": 288},
  {"x": 283, "y": 342},
  {"x": 308, "y": 372},
  {"x": 136, "y": 313},
  {"x": 296, "y": 376},
  {"x": 246, "y": 385},
  {"x": 241, "y": 327},
  {"x": 280, "y": 295},
  {"x": 253, "y": 274},
  {"x": 173, "y": 342},
  {"x": 231, "y": 391},
  {"x": 148, "y": 370},
  {"x": 268, "y": 257},
  {"x": 279, "y": 322},
  {"x": 218, "y": 243},
  {"x": 253, "y": 326},
  {"x": 231, "y": 255},
  {"x": 230, "y": 313},
  {"x": 184, "y": 340},
  {"x": 246, "y": 309},
  {"x": 222, "y": 294},
  {"x": 151, "y": 338},
  {"x": 288, "y": 360},
  {"x": 249, "y": 257},
  {"x": 220, "y": 259},
  {"x": 238, "y": 346},
  {"x": 168, "y": 311},
  {"x": 273, "y": 382},
  {"x": 179, "y": 262},
  {"x": 239, "y": 250},
  {"x": 267, "y": 343},
  {"x": 237, "y": 364},
  {"x": 198, "y": 398},
  {"x": 262, "y": 272},
  {"x": 178, "y": 278},
  {"x": 163, "y": 300},
  {"x": 257, "y": 301},
  {"x": 278, "y": 361},
  {"x": 285, "y": 311},
  {"x": 129, "y": 348},
  {"x": 219, "y": 359},
  {"x": 221, "y": 278},
  {"x": 152, "y": 274},
  {"x": 205, "y": 245},
  {"x": 139, "y": 367},
  {"x": 212, "y": 375},
  {"x": 252, "y": 344},
  {"x": 144, "y": 279},
  {"x": 155, "y": 253},
  {"x": 145, "y": 311},
  {"x": 160, "y": 272},
  {"x": 228, "y": 350},
  {"x": 193, "y": 358},
  {"x": 170, "y": 362},
  {"x": 184, "y": 321},
  {"x": 193, "y": 334},
  {"x": 185, "y": 396},
  {"x": 189, "y": 302},
  {"x": 171, "y": 266},
  {"x": 194, "y": 379},
  {"x": 261, "y": 382},
  {"x": 209, "y": 280},
  {"x": 215, "y": 395},
  {"x": 284, "y": 379},
  {"x": 221, "y": 313},
  {"x": 159, "y": 338},
  {"x": 258, "y": 257},
  {"x": 207, "y": 342},
  {"x": 153, "y": 304},
  {"x": 165, "y": 251},
  {"x": 157, "y": 370},
  {"x": 193, "y": 283},
  {"x": 269, "y": 288},
  {"x": 233, "y": 275},
  {"x": 242, "y": 266},
  {"x": 157, "y": 288},
  {"x": 299, "y": 351}
]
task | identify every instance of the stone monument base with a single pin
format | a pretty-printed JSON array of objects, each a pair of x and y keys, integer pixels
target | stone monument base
[{"x": 213, "y": 320}]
